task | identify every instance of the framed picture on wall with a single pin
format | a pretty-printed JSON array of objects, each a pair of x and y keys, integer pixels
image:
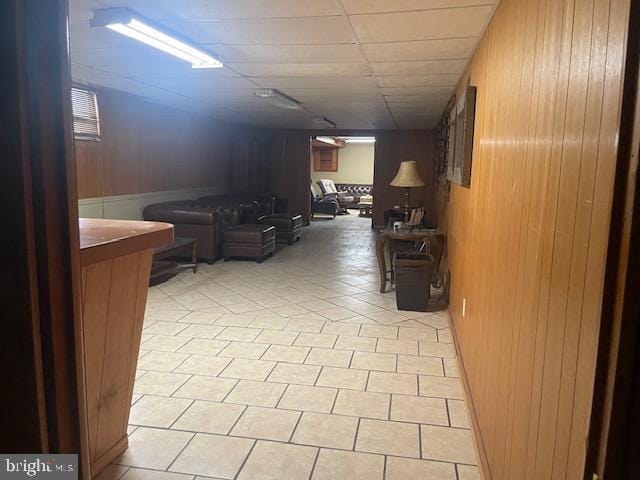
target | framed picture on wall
[{"x": 460, "y": 151}]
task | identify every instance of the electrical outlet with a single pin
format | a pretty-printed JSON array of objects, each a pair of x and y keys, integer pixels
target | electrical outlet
[{"x": 464, "y": 307}]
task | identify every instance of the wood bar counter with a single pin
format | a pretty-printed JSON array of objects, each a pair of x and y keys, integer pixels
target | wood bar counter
[{"x": 116, "y": 262}]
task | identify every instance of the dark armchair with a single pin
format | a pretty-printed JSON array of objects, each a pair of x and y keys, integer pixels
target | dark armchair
[{"x": 325, "y": 205}]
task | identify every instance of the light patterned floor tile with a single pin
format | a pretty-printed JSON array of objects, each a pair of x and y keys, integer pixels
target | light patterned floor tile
[
  {"x": 343, "y": 378},
  {"x": 248, "y": 369},
  {"x": 278, "y": 461},
  {"x": 374, "y": 361},
  {"x": 390, "y": 438},
  {"x": 315, "y": 340},
  {"x": 239, "y": 334},
  {"x": 448, "y": 444},
  {"x": 153, "y": 448},
  {"x": 266, "y": 424},
  {"x": 243, "y": 350},
  {"x": 263, "y": 394},
  {"x": 324, "y": 430},
  {"x": 203, "y": 346},
  {"x": 209, "y": 417},
  {"x": 276, "y": 337},
  {"x": 161, "y": 361},
  {"x": 206, "y": 388},
  {"x": 363, "y": 344},
  {"x": 294, "y": 373},
  {"x": 308, "y": 398},
  {"x": 337, "y": 464},
  {"x": 458, "y": 414},
  {"x": 435, "y": 349},
  {"x": 421, "y": 365},
  {"x": 362, "y": 404},
  {"x": 467, "y": 472},
  {"x": 427, "y": 410},
  {"x": 159, "y": 383},
  {"x": 153, "y": 411},
  {"x": 213, "y": 456},
  {"x": 406, "y": 347},
  {"x": 401, "y": 383},
  {"x": 379, "y": 331},
  {"x": 203, "y": 365},
  {"x": 410, "y": 469},
  {"x": 329, "y": 357},
  {"x": 286, "y": 353},
  {"x": 443, "y": 387}
]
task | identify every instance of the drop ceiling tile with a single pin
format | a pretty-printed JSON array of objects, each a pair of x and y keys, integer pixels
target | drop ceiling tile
[
  {"x": 442, "y": 49},
  {"x": 277, "y": 31},
  {"x": 380, "y": 6},
  {"x": 418, "y": 81},
  {"x": 186, "y": 83},
  {"x": 80, "y": 11},
  {"x": 336, "y": 53},
  {"x": 222, "y": 9},
  {"x": 181, "y": 70},
  {"x": 433, "y": 67},
  {"x": 416, "y": 99},
  {"x": 83, "y": 36},
  {"x": 315, "y": 82},
  {"x": 416, "y": 91},
  {"x": 301, "y": 69},
  {"x": 135, "y": 54},
  {"x": 344, "y": 93},
  {"x": 421, "y": 25}
]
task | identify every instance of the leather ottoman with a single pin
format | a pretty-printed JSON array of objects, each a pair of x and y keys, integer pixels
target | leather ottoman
[
  {"x": 288, "y": 227},
  {"x": 254, "y": 241}
]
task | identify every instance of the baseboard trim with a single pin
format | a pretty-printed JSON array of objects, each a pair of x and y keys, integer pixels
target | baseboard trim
[{"x": 485, "y": 472}]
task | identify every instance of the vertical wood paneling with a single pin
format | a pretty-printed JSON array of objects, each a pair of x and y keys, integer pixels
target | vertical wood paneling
[
  {"x": 147, "y": 147},
  {"x": 527, "y": 241}
]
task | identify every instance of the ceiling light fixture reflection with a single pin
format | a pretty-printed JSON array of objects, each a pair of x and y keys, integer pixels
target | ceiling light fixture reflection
[
  {"x": 324, "y": 122},
  {"x": 274, "y": 97},
  {"x": 125, "y": 22},
  {"x": 359, "y": 139}
]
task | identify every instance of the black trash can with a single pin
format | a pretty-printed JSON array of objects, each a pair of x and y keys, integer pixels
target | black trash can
[{"x": 413, "y": 274}]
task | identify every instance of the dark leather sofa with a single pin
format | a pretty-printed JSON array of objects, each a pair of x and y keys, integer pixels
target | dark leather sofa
[
  {"x": 206, "y": 219},
  {"x": 354, "y": 190}
]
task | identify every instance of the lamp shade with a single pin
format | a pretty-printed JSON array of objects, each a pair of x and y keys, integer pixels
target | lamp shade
[{"x": 407, "y": 176}]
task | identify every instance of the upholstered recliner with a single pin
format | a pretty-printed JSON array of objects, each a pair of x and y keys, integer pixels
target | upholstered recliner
[
  {"x": 329, "y": 190},
  {"x": 325, "y": 205}
]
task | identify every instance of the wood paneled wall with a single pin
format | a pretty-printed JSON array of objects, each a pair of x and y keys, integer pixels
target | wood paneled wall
[
  {"x": 393, "y": 147},
  {"x": 147, "y": 147},
  {"x": 527, "y": 241}
]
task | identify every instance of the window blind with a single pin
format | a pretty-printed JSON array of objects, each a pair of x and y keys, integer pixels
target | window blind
[{"x": 86, "y": 124}]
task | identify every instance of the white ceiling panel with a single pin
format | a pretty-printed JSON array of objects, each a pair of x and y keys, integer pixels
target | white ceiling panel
[
  {"x": 383, "y": 6},
  {"x": 434, "y": 67},
  {"x": 277, "y": 31},
  {"x": 441, "y": 49},
  {"x": 301, "y": 69},
  {"x": 414, "y": 91},
  {"x": 418, "y": 81},
  {"x": 421, "y": 25},
  {"x": 315, "y": 82},
  {"x": 360, "y": 63},
  {"x": 334, "y": 53},
  {"x": 227, "y": 9}
]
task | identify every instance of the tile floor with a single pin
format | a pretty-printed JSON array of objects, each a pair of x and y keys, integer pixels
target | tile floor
[{"x": 296, "y": 368}]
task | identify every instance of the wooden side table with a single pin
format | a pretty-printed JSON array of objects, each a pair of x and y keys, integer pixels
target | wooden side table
[
  {"x": 179, "y": 244},
  {"x": 386, "y": 245}
]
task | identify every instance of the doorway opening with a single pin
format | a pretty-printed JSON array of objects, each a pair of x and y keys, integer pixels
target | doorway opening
[{"x": 341, "y": 171}]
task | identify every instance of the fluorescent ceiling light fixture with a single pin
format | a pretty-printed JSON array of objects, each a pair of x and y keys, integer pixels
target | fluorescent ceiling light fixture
[
  {"x": 359, "y": 139},
  {"x": 330, "y": 140},
  {"x": 124, "y": 21},
  {"x": 324, "y": 122},
  {"x": 278, "y": 99}
]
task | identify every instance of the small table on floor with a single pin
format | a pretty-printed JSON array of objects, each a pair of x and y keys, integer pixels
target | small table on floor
[
  {"x": 179, "y": 244},
  {"x": 386, "y": 246},
  {"x": 365, "y": 208}
]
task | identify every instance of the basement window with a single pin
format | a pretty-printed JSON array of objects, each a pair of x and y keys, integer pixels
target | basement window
[{"x": 86, "y": 124}]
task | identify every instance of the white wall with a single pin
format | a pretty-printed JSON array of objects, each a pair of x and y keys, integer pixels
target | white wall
[
  {"x": 129, "y": 207},
  {"x": 355, "y": 165}
]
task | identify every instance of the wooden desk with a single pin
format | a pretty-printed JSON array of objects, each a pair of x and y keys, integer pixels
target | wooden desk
[
  {"x": 115, "y": 256},
  {"x": 386, "y": 246}
]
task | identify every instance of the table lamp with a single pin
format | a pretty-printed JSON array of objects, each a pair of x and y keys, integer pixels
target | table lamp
[{"x": 407, "y": 177}]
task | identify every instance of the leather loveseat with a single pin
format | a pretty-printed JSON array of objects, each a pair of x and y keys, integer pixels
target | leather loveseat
[
  {"x": 206, "y": 219},
  {"x": 354, "y": 190}
]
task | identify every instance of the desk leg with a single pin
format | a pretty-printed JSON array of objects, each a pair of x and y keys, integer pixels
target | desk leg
[{"x": 381, "y": 261}]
